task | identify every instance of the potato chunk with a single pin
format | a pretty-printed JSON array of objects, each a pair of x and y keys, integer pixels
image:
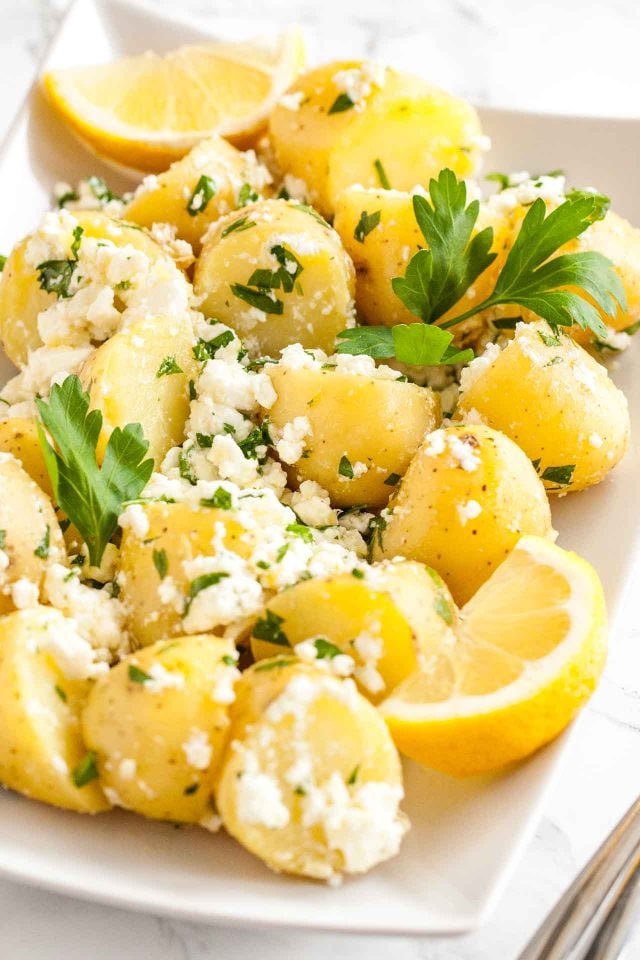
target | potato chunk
[
  {"x": 180, "y": 196},
  {"x": 398, "y": 132},
  {"x": 30, "y": 535},
  {"x": 468, "y": 496},
  {"x": 311, "y": 782},
  {"x": 363, "y": 430},
  {"x": 19, "y": 437},
  {"x": 160, "y": 351},
  {"x": 555, "y": 401},
  {"x": 277, "y": 274},
  {"x": 21, "y": 297},
  {"x": 384, "y": 622},
  {"x": 155, "y": 586},
  {"x": 157, "y": 723},
  {"x": 41, "y": 747}
]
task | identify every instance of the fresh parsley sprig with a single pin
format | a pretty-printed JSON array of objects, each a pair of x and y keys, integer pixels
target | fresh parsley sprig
[
  {"x": 91, "y": 496},
  {"x": 564, "y": 290}
]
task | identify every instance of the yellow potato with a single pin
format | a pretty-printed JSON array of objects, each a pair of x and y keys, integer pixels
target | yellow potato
[
  {"x": 376, "y": 424},
  {"x": 157, "y": 723},
  {"x": 22, "y": 299},
  {"x": 41, "y": 746},
  {"x": 468, "y": 496},
  {"x": 556, "y": 402},
  {"x": 382, "y": 252},
  {"x": 176, "y": 534},
  {"x": 19, "y": 437},
  {"x": 30, "y": 534},
  {"x": 310, "y": 297},
  {"x": 410, "y": 128},
  {"x": 310, "y": 762},
  {"x": 234, "y": 179},
  {"x": 160, "y": 351},
  {"x": 386, "y": 620}
]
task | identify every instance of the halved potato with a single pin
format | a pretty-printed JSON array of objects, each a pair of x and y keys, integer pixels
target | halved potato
[
  {"x": 157, "y": 723},
  {"x": 555, "y": 401},
  {"x": 155, "y": 586},
  {"x": 386, "y": 620},
  {"x": 398, "y": 132},
  {"x": 468, "y": 496},
  {"x": 277, "y": 274},
  {"x": 42, "y": 753},
  {"x": 213, "y": 179},
  {"x": 160, "y": 353},
  {"x": 30, "y": 536},
  {"x": 21, "y": 297},
  {"x": 363, "y": 433},
  {"x": 19, "y": 437},
  {"x": 311, "y": 782}
]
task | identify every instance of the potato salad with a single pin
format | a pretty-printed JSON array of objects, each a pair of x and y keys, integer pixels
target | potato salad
[{"x": 278, "y": 465}]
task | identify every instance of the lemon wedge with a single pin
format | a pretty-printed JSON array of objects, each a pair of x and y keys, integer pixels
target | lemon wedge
[
  {"x": 144, "y": 112},
  {"x": 524, "y": 658}
]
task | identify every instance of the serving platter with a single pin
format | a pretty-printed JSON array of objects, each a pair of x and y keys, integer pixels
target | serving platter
[{"x": 466, "y": 836}]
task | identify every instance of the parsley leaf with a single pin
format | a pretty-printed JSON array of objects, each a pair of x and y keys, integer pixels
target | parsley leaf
[
  {"x": 437, "y": 278},
  {"x": 561, "y": 475},
  {"x": 268, "y": 628},
  {"x": 266, "y": 302},
  {"x": 344, "y": 467},
  {"x": 100, "y": 190},
  {"x": 55, "y": 276},
  {"x": 366, "y": 223},
  {"x": 161, "y": 563},
  {"x": 325, "y": 650},
  {"x": 91, "y": 496},
  {"x": 243, "y": 223},
  {"x": 220, "y": 500},
  {"x": 412, "y": 343},
  {"x": 138, "y": 675},
  {"x": 42, "y": 550},
  {"x": 207, "y": 349},
  {"x": 201, "y": 583},
  {"x": 247, "y": 194},
  {"x": 168, "y": 366},
  {"x": 382, "y": 175},
  {"x": 205, "y": 190}
]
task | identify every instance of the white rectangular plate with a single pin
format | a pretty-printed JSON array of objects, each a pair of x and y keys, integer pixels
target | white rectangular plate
[{"x": 466, "y": 836}]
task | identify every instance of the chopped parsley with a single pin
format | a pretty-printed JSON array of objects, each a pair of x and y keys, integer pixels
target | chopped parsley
[
  {"x": 243, "y": 223},
  {"x": 86, "y": 771},
  {"x": 382, "y": 175},
  {"x": 3, "y": 260},
  {"x": 246, "y": 195},
  {"x": 393, "y": 480},
  {"x": 3, "y": 539},
  {"x": 193, "y": 395},
  {"x": 375, "y": 533},
  {"x": 42, "y": 550},
  {"x": 137, "y": 675},
  {"x": 185, "y": 468},
  {"x": 55, "y": 276},
  {"x": 168, "y": 366},
  {"x": 207, "y": 349},
  {"x": 204, "y": 440},
  {"x": 366, "y": 223},
  {"x": 269, "y": 629},
  {"x": 353, "y": 776},
  {"x": 344, "y": 467},
  {"x": 203, "y": 582},
  {"x": 161, "y": 562},
  {"x": 229, "y": 660},
  {"x": 441, "y": 603},
  {"x": 561, "y": 475},
  {"x": 189, "y": 791},
  {"x": 325, "y": 650},
  {"x": 273, "y": 665},
  {"x": 266, "y": 302},
  {"x": 301, "y": 530},
  {"x": 60, "y": 692},
  {"x": 341, "y": 103},
  {"x": 358, "y": 574},
  {"x": 100, "y": 190},
  {"x": 259, "y": 437},
  {"x": 221, "y": 500},
  {"x": 205, "y": 190}
]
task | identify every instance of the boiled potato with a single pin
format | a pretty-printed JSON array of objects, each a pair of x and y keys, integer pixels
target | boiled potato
[
  {"x": 467, "y": 497},
  {"x": 360, "y": 425},
  {"x": 277, "y": 274},
  {"x": 311, "y": 781},
  {"x": 157, "y": 723},
  {"x": 160, "y": 350},
  {"x": 382, "y": 251},
  {"x": 30, "y": 535},
  {"x": 181, "y": 197},
  {"x": 555, "y": 401},
  {"x": 399, "y": 131},
  {"x": 155, "y": 586},
  {"x": 385, "y": 621},
  {"x": 19, "y": 437},
  {"x": 22, "y": 299},
  {"x": 42, "y": 753}
]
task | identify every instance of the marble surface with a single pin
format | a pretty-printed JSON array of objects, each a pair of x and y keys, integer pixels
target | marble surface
[{"x": 504, "y": 52}]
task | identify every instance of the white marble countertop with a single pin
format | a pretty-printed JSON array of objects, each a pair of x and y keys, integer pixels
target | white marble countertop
[{"x": 567, "y": 55}]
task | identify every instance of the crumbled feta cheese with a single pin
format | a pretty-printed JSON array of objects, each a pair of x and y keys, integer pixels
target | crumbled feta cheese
[
  {"x": 127, "y": 769},
  {"x": 358, "y": 82},
  {"x": 595, "y": 440},
  {"x": 259, "y": 798},
  {"x": 468, "y": 511},
  {"x": 198, "y": 749},
  {"x": 163, "y": 679},
  {"x": 134, "y": 518},
  {"x": 474, "y": 370},
  {"x": 291, "y": 444},
  {"x": 24, "y": 593},
  {"x": 292, "y": 101}
]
